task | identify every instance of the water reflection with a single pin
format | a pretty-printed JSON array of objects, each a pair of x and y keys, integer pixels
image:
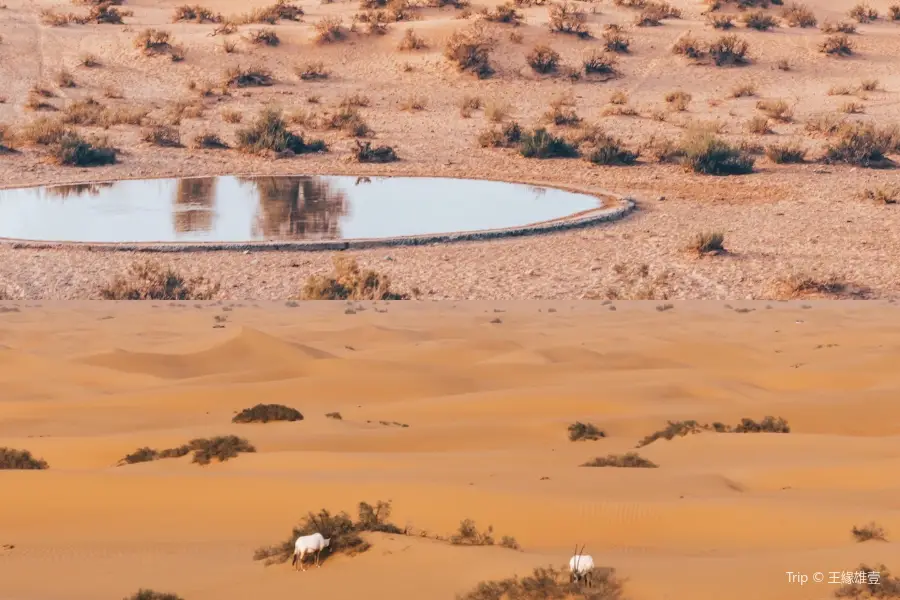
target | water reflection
[{"x": 238, "y": 209}]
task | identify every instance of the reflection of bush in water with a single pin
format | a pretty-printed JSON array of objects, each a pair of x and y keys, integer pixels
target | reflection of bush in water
[
  {"x": 194, "y": 199},
  {"x": 298, "y": 208},
  {"x": 77, "y": 189}
]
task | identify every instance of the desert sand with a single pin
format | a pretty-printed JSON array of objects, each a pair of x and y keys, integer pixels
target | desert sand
[
  {"x": 487, "y": 390},
  {"x": 782, "y": 220}
]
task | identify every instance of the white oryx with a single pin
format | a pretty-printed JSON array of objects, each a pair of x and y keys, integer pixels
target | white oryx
[
  {"x": 581, "y": 566},
  {"x": 307, "y": 544}
]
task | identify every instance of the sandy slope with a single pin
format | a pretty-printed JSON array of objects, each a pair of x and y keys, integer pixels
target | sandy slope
[{"x": 487, "y": 406}]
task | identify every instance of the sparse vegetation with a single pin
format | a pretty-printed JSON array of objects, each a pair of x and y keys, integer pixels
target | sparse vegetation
[
  {"x": 882, "y": 194},
  {"x": 411, "y": 41},
  {"x": 721, "y": 21},
  {"x": 470, "y": 50},
  {"x": 162, "y": 135},
  {"x": 627, "y": 460},
  {"x": 543, "y": 59},
  {"x": 264, "y": 37},
  {"x": 269, "y": 132},
  {"x": 839, "y": 27},
  {"x": 148, "y": 280},
  {"x": 542, "y": 144},
  {"x": 728, "y": 50},
  {"x": 779, "y": 110},
  {"x": 786, "y": 153},
  {"x": 263, "y": 413},
  {"x": 837, "y": 45},
  {"x": 208, "y": 141},
  {"x": 366, "y": 153},
  {"x": 799, "y": 15},
  {"x": 282, "y": 10},
  {"x": 860, "y": 144},
  {"x": 508, "y": 136},
  {"x": 599, "y": 62},
  {"x": 614, "y": 39},
  {"x": 759, "y": 20},
  {"x": 584, "y": 431},
  {"x": 869, "y": 532},
  {"x": 604, "y": 149},
  {"x": 675, "y": 429},
  {"x": 329, "y": 30},
  {"x": 468, "y": 535},
  {"x": 334, "y": 415},
  {"x": 567, "y": 17},
  {"x": 705, "y": 153},
  {"x": 154, "y": 42},
  {"x": 545, "y": 583},
  {"x": 349, "y": 282},
  {"x": 147, "y": 594},
  {"x": 863, "y": 13},
  {"x": 221, "y": 448},
  {"x": 312, "y": 71},
  {"x": 801, "y": 285},
  {"x": 758, "y": 125},
  {"x": 10, "y": 458},
  {"x": 503, "y": 13},
  {"x": 875, "y": 582},
  {"x": 196, "y": 13},
  {"x": 678, "y": 100},
  {"x": 707, "y": 242}
]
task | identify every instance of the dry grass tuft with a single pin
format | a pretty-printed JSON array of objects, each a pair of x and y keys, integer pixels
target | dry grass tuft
[
  {"x": 208, "y": 141},
  {"x": 786, "y": 153},
  {"x": 545, "y": 583},
  {"x": 799, "y": 15},
  {"x": 10, "y": 458},
  {"x": 468, "y": 535},
  {"x": 365, "y": 153},
  {"x": 758, "y": 125},
  {"x": 598, "y": 62},
  {"x": 542, "y": 144},
  {"x": 255, "y": 76},
  {"x": 861, "y": 144},
  {"x": 863, "y": 13},
  {"x": 627, "y": 460},
  {"x": 703, "y": 152},
  {"x": 799, "y": 285},
  {"x": 282, "y": 10},
  {"x": 882, "y": 194},
  {"x": 263, "y": 413},
  {"x": 869, "y": 532},
  {"x": 470, "y": 50},
  {"x": 614, "y": 39},
  {"x": 349, "y": 282},
  {"x": 779, "y": 110},
  {"x": 148, "y": 280},
  {"x": 837, "y": 45},
  {"x": 196, "y": 13},
  {"x": 162, "y": 135},
  {"x": 759, "y": 21},
  {"x": 264, "y": 37},
  {"x": 678, "y": 100},
  {"x": 312, "y": 71},
  {"x": 411, "y": 41},
  {"x": 543, "y": 59},
  {"x": 568, "y": 17},
  {"x": 584, "y": 431},
  {"x": 707, "y": 242},
  {"x": 329, "y": 30},
  {"x": 154, "y": 42},
  {"x": 839, "y": 27},
  {"x": 147, "y": 594},
  {"x": 507, "y": 136},
  {"x": 503, "y": 13},
  {"x": 269, "y": 132}
]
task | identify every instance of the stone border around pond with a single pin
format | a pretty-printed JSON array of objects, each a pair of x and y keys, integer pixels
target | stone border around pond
[{"x": 624, "y": 206}]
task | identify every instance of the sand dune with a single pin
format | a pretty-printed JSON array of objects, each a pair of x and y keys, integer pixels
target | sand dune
[{"x": 486, "y": 409}]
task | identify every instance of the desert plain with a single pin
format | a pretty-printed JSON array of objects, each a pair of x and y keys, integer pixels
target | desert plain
[{"x": 450, "y": 412}]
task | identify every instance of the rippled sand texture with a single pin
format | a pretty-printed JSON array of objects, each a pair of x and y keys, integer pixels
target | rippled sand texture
[{"x": 487, "y": 404}]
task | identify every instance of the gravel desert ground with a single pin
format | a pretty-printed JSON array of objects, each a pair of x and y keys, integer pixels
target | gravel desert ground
[
  {"x": 791, "y": 222},
  {"x": 451, "y": 413}
]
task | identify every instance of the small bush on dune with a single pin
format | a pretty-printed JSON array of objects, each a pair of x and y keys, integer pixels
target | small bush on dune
[
  {"x": 334, "y": 415},
  {"x": 779, "y": 110},
  {"x": 802, "y": 285},
  {"x": 861, "y": 144},
  {"x": 597, "y": 62},
  {"x": 208, "y": 141},
  {"x": 785, "y": 153},
  {"x": 468, "y": 535},
  {"x": 195, "y": 13},
  {"x": 567, "y": 17},
  {"x": 10, "y": 458},
  {"x": 799, "y": 15},
  {"x": 759, "y": 20},
  {"x": 868, "y": 532},
  {"x": 705, "y": 153},
  {"x": 837, "y": 45},
  {"x": 543, "y": 59},
  {"x": 221, "y": 448},
  {"x": 153, "y": 42},
  {"x": 148, "y": 280},
  {"x": 263, "y": 413},
  {"x": 608, "y": 150},
  {"x": 282, "y": 10},
  {"x": 72, "y": 150},
  {"x": 894, "y": 12},
  {"x": 675, "y": 429},
  {"x": 411, "y": 41},
  {"x": 269, "y": 132},
  {"x": 329, "y": 30},
  {"x": 504, "y": 13},
  {"x": 729, "y": 50},
  {"x": 882, "y": 195},
  {"x": 349, "y": 282},
  {"x": 507, "y": 136},
  {"x": 627, "y": 460},
  {"x": 863, "y": 13},
  {"x": 721, "y": 21},
  {"x": 143, "y": 594},
  {"x": 874, "y": 582},
  {"x": 546, "y": 583},
  {"x": 614, "y": 39},
  {"x": 312, "y": 71},
  {"x": 264, "y": 37},
  {"x": 365, "y": 153},
  {"x": 470, "y": 50},
  {"x": 542, "y": 144},
  {"x": 839, "y": 27},
  {"x": 584, "y": 431},
  {"x": 162, "y": 135},
  {"x": 711, "y": 242},
  {"x": 248, "y": 77}
]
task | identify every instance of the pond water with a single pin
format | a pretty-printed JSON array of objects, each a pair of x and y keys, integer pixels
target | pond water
[{"x": 286, "y": 208}]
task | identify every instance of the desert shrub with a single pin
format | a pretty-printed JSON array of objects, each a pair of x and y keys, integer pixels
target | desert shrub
[
  {"x": 148, "y": 280},
  {"x": 584, "y": 431},
  {"x": 779, "y": 110},
  {"x": 507, "y": 136},
  {"x": 546, "y": 583},
  {"x": 221, "y": 448},
  {"x": 543, "y": 59},
  {"x": 208, "y": 141},
  {"x": 614, "y": 39},
  {"x": 282, "y": 10},
  {"x": 689, "y": 46},
  {"x": 874, "y": 582},
  {"x": 330, "y": 29},
  {"x": 504, "y": 13},
  {"x": 145, "y": 594},
  {"x": 599, "y": 62},
  {"x": 859, "y": 144},
  {"x": 798, "y": 15},
  {"x": 785, "y": 153},
  {"x": 266, "y": 37},
  {"x": 567, "y": 17},
  {"x": 312, "y": 71},
  {"x": 365, "y": 153},
  {"x": 721, "y": 21},
  {"x": 705, "y": 153},
  {"x": 162, "y": 135},
  {"x": 882, "y": 195},
  {"x": 468, "y": 105},
  {"x": 675, "y": 429},
  {"x": 653, "y": 14},
  {"x": 340, "y": 528},
  {"x": 334, "y": 415},
  {"x": 413, "y": 103},
  {"x": 269, "y": 131},
  {"x": 561, "y": 112},
  {"x": 349, "y": 282},
  {"x": 10, "y": 458},
  {"x": 607, "y": 150},
  {"x": 470, "y": 50},
  {"x": 759, "y": 20},
  {"x": 74, "y": 151},
  {"x": 468, "y": 535},
  {"x": 863, "y": 13},
  {"x": 102, "y": 13},
  {"x": 542, "y": 144},
  {"x": 802, "y": 285},
  {"x": 627, "y": 460},
  {"x": 708, "y": 242},
  {"x": 153, "y": 42},
  {"x": 263, "y": 413},
  {"x": 43, "y": 131},
  {"x": 868, "y": 532},
  {"x": 894, "y": 12},
  {"x": 837, "y": 45},
  {"x": 839, "y": 27},
  {"x": 678, "y": 100},
  {"x": 195, "y": 13},
  {"x": 411, "y": 41},
  {"x": 728, "y": 50}
]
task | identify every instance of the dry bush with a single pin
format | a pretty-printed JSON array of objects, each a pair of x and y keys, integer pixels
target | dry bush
[
  {"x": 870, "y": 85},
  {"x": 728, "y": 50},
  {"x": 52, "y": 18},
  {"x": 64, "y": 79},
  {"x": 882, "y": 195},
  {"x": 208, "y": 141},
  {"x": 42, "y": 131},
  {"x": 470, "y": 50},
  {"x": 282, "y": 10},
  {"x": 837, "y": 45},
  {"x": 330, "y": 29},
  {"x": 312, "y": 71},
  {"x": 221, "y": 447},
  {"x": 689, "y": 46},
  {"x": 567, "y": 17},
  {"x": 779, "y": 110},
  {"x": 758, "y": 125},
  {"x": 339, "y": 528},
  {"x": 599, "y": 62},
  {"x": 542, "y": 144},
  {"x": 334, "y": 415},
  {"x": 870, "y": 583},
  {"x": 614, "y": 39},
  {"x": 675, "y": 429},
  {"x": 413, "y": 103},
  {"x": 543, "y": 59},
  {"x": 496, "y": 111},
  {"x": 742, "y": 90},
  {"x": 707, "y": 242},
  {"x": 799, "y": 15},
  {"x": 618, "y": 97},
  {"x": 195, "y": 13},
  {"x": 839, "y": 90},
  {"x": 863, "y": 13},
  {"x": 653, "y": 13},
  {"x": 839, "y": 27},
  {"x": 72, "y": 150},
  {"x": 894, "y": 12},
  {"x": 102, "y": 14},
  {"x": 154, "y": 42},
  {"x": 546, "y": 583},
  {"x": 468, "y": 535},
  {"x": 162, "y": 135},
  {"x": 627, "y": 460},
  {"x": 266, "y": 37},
  {"x": 785, "y": 153},
  {"x": 89, "y": 60},
  {"x": 10, "y": 458},
  {"x": 468, "y": 105},
  {"x": 721, "y": 21},
  {"x": 507, "y": 136},
  {"x": 584, "y": 431},
  {"x": 827, "y": 124},
  {"x": 269, "y": 132},
  {"x": 851, "y": 108},
  {"x": 799, "y": 285},
  {"x": 707, "y": 154},
  {"x": 504, "y": 13},
  {"x": 232, "y": 116},
  {"x": 148, "y": 280},
  {"x": 147, "y": 594},
  {"x": 263, "y": 413},
  {"x": 759, "y": 20},
  {"x": 868, "y": 532},
  {"x": 247, "y": 77},
  {"x": 349, "y": 282},
  {"x": 562, "y": 113},
  {"x": 411, "y": 41},
  {"x": 678, "y": 100},
  {"x": 860, "y": 144},
  {"x": 603, "y": 149}
]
